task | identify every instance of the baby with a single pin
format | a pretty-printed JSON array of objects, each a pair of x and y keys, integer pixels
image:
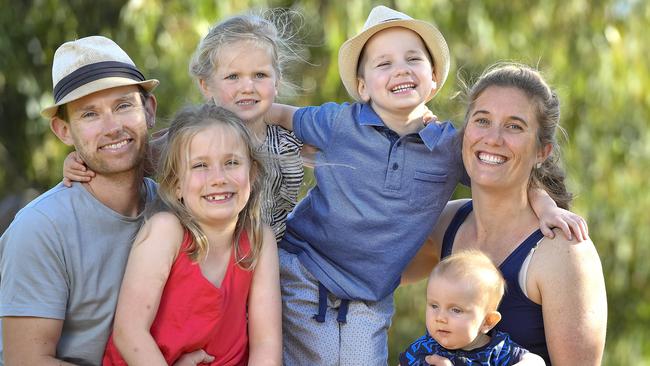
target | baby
[{"x": 463, "y": 294}]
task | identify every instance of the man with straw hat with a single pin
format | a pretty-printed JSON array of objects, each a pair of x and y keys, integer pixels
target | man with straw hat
[{"x": 63, "y": 257}]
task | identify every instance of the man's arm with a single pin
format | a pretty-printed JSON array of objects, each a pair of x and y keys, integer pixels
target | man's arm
[
  {"x": 31, "y": 341},
  {"x": 33, "y": 290}
]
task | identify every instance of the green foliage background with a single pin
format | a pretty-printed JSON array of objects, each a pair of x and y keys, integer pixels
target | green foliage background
[{"x": 594, "y": 52}]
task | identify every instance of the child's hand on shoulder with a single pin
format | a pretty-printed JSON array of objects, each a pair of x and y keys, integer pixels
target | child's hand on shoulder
[
  {"x": 75, "y": 170},
  {"x": 428, "y": 117},
  {"x": 571, "y": 224}
]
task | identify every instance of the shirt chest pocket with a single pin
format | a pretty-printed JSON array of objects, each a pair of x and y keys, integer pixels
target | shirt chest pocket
[{"x": 428, "y": 190}]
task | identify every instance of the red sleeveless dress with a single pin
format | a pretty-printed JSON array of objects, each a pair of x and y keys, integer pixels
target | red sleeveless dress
[{"x": 194, "y": 314}]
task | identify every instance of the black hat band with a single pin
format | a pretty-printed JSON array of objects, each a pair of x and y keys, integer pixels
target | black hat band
[{"x": 92, "y": 72}]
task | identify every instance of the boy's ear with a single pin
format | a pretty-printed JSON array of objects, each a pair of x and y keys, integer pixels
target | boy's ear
[
  {"x": 61, "y": 129},
  {"x": 363, "y": 90},
  {"x": 491, "y": 319}
]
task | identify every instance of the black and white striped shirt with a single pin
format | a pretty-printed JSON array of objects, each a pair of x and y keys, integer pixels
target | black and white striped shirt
[{"x": 284, "y": 177}]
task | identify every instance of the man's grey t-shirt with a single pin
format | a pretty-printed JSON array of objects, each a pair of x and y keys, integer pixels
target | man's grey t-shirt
[{"x": 63, "y": 257}]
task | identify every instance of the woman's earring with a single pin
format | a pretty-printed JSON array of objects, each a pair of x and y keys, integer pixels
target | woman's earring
[{"x": 538, "y": 165}]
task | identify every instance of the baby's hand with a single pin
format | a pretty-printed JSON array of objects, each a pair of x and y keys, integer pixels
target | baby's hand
[
  {"x": 75, "y": 170},
  {"x": 436, "y": 360}
]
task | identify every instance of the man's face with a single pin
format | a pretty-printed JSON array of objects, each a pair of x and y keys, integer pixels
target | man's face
[{"x": 109, "y": 129}]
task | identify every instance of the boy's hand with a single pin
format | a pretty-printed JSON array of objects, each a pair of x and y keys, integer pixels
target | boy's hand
[
  {"x": 75, "y": 170},
  {"x": 429, "y": 117},
  {"x": 570, "y": 224}
]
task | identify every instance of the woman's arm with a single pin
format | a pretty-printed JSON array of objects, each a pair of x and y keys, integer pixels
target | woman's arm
[
  {"x": 567, "y": 280},
  {"x": 153, "y": 253},
  {"x": 265, "y": 307},
  {"x": 429, "y": 254}
]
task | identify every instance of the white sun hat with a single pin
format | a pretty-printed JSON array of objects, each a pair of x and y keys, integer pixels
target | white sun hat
[
  {"x": 88, "y": 65},
  {"x": 380, "y": 18}
]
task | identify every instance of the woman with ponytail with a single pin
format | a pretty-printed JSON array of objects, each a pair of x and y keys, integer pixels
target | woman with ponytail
[{"x": 555, "y": 303}]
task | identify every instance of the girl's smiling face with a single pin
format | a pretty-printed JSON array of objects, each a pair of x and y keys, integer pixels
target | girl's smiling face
[
  {"x": 243, "y": 81},
  {"x": 215, "y": 179}
]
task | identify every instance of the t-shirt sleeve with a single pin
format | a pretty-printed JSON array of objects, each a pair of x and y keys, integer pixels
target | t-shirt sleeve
[
  {"x": 33, "y": 280},
  {"x": 315, "y": 125}
]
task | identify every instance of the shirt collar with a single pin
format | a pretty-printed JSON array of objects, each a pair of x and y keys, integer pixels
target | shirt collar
[
  {"x": 368, "y": 117},
  {"x": 429, "y": 134},
  {"x": 432, "y": 132}
]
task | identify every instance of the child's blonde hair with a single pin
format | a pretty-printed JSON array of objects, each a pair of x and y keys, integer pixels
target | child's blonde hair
[
  {"x": 187, "y": 123},
  {"x": 477, "y": 269},
  {"x": 273, "y": 35}
]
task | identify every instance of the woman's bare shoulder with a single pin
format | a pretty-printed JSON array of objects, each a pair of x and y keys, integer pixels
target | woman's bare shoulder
[{"x": 559, "y": 260}]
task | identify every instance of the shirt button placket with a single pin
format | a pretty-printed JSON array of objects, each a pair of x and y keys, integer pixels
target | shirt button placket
[{"x": 395, "y": 166}]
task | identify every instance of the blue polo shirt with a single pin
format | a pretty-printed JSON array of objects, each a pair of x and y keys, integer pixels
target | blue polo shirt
[{"x": 375, "y": 200}]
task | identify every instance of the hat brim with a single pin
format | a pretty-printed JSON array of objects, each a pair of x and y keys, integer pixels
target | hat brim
[
  {"x": 433, "y": 39},
  {"x": 95, "y": 86}
]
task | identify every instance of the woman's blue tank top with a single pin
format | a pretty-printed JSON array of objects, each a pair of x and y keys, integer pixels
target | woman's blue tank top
[{"x": 522, "y": 318}]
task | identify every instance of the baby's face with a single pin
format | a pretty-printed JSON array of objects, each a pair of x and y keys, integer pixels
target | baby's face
[
  {"x": 397, "y": 72},
  {"x": 455, "y": 312}
]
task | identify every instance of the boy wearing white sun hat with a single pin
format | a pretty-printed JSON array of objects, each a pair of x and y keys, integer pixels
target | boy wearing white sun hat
[
  {"x": 63, "y": 257},
  {"x": 382, "y": 179}
]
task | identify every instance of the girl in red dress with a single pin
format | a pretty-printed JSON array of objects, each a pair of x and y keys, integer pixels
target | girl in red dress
[{"x": 201, "y": 285}]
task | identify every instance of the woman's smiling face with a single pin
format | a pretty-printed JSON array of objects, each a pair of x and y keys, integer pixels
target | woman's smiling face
[{"x": 500, "y": 145}]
